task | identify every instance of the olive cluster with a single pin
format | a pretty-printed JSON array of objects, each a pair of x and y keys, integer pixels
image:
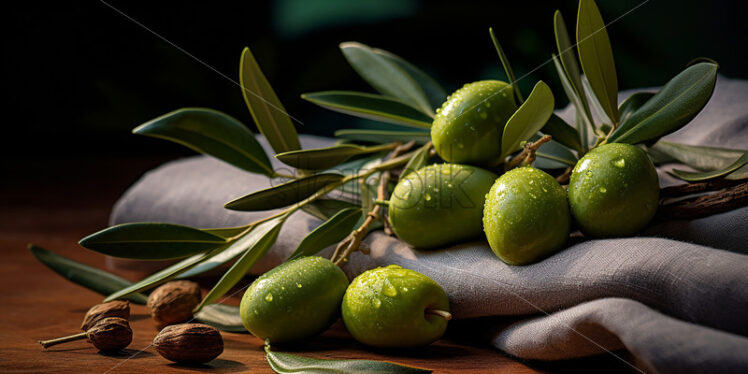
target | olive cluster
[{"x": 526, "y": 214}]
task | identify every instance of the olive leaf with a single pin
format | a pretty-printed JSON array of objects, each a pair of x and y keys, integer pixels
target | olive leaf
[
  {"x": 528, "y": 119},
  {"x": 283, "y": 363},
  {"x": 213, "y": 133},
  {"x": 507, "y": 68},
  {"x": 221, "y": 316},
  {"x": 267, "y": 111},
  {"x": 257, "y": 242},
  {"x": 383, "y": 136},
  {"x": 226, "y": 254},
  {"x": 596, "y": 57},
  {"x": 671, "y": 108},
  {"x": 632, "y": 104},
  {"x": 370, "y": 106},
  {"x": 325, "y": 209},
  {"x": 561, "y": 132},
  {"x": 151, "y": 241},
  {"x": 595, "y": 103},
  {"x": 707, "y": 175},
  {"x": 90, "y": 277},
  {"x": 283, "y": 194},
  {"x": 700, "y": 157},
  {"x": 581, "y": 120},
  {"x": 419, "y": 160},
  {"x": 433, "y": 90},
  {"x": 325, "y": 158},
  {"x": 330, "y": 232},
  {"x": 226, "y": 232},
  {"x": 163, "y": 275},
  {"x": 386, "y": 76},
  {"x": 570, "y": 71},
  {"x": 552, "y": 155}
]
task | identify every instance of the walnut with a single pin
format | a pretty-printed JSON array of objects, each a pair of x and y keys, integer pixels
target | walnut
[
  {"x": 189, "y": 343},
  {"x": 174, "y": 301}
]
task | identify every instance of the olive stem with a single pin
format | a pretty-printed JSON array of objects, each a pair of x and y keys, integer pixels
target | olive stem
[
  {"x": 353, "y": 241},
  {"x": 438, "y": 312},
  {"x": 527, "y": 156},
  {"x": 382, "y": 202},
  {"x": 51, "y": 342}
]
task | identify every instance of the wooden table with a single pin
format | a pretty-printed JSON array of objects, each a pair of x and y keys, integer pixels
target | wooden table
[{"x": 53, "y": 204}]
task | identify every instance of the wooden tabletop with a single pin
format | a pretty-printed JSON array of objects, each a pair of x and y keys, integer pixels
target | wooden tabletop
[{"x": 53, "y": 204}]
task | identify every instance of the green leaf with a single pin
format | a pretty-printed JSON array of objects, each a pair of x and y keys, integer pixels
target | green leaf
[
  {"x": 151, "y": 241},
  {"x": 325, "y": 209},
  {"x": 431, "y": 88},
  {"x": 561, "y": 132},
  {"x": 270, "y": 117},
  {"x": 676, "y": 104},
  {"x": 284, "y": 363},
  {"x": 258, "y": 242},
  {"x": 213, "y": 133},
  {"x": 581, "y": 121},
  {"x": 283, "y": 194},
  {"x": 386, "y": 76},
  {"x": 226, "y": 254},
  {"x": 596, "y": 104},
  {"x": 507, "y": 68},
  {"x": 552, "y": 155},
  {"x": 163, "y": 275},
  {"x": 707, "y": 175},
  {"x": 370, "y": 106},
  {"x": 596, "y": 57},
  {"x": 632, "y": 104},
  {"x": 226, "y": 232},
  {"x": 569, "y": 69},
  {"x": 528, "y": 119},
  {"x": 97, "y": 280},
  {"x": 325, "y": 158},
  {"x": 221, "y": 316},
  {"x": 384, "y": 136},
  {"x": 702, "y": 158},
  {"x": 332, "y": 231},
  {"x": 419, "y": 160}
]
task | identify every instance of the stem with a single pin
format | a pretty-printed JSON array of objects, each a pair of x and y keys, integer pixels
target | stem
[
  {"x": 283, "y": 175},
  {"x": 701, "y": 206},
  {"x": 382, "y": 202},
  {"x": 564, "y": 178},
  {"x": 353, "y": 241},
  {"x": 438, "y": 312},
  {"x": 612, "y": 128},
  {"x": 527, "y": 155},
  {"x": 51, "y": 342}
]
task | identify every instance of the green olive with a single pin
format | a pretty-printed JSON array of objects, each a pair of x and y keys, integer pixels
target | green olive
[
  {"x": 469, "y": 125},
  {"x": 526, "y": 217},
  {"x": 295, "y": 300},
  {"x": 613, "y": 191},
  {"x": 395, "y": 307},
  {"x": 439, "y": 204}
]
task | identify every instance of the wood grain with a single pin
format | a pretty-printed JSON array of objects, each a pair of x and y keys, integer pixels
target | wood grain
[{"x": 55, "y": 204}]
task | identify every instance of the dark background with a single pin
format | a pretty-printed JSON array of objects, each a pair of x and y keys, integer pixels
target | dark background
[{"x": 80, "y": 76}]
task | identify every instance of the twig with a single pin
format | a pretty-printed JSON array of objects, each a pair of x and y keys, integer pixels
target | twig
[
  {"x": 354, "y": 241},
  {"x": 564, "y": 178},
  {"x": 701, "y": 206},
  {"x": 692, "y": 188},
  {"x": 527, "y": 155}
]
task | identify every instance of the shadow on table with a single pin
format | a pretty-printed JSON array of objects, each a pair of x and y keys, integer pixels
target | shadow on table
[{"x": 218, "y": 366}]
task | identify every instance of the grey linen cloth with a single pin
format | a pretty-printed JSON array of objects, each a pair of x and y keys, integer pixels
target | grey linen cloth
[{"x": 676, "y": 297}]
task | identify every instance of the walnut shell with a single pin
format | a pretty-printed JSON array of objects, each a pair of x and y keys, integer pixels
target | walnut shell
[
  {"x": 174, "y": 301},
  {"x": 110, "y": 334},
  {"x": 116, "y": 308},
  {"x": 189, "y": 343}
]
